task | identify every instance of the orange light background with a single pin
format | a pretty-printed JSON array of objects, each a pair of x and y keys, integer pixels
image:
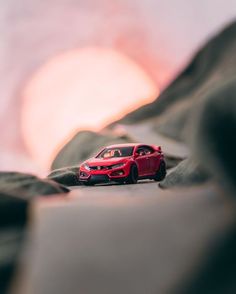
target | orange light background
[{"x": 81, "y": 89}]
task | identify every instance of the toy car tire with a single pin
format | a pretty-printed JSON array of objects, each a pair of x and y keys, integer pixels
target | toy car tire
[
  {"x": 88, "y": 184},
  {"x": 161, "y": 172},
  {"x": 133, "y": 175}
]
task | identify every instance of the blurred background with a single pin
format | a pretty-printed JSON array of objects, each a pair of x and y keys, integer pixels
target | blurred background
[
  {"x": 68, "y": 65},
  {"x": 78, "y": 75}
]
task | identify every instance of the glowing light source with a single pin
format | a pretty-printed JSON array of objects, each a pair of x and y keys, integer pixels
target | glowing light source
[{"x": 85, "y": 88}]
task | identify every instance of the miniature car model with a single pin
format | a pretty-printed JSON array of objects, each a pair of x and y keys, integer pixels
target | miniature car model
[{"x": 124, "y": 163}]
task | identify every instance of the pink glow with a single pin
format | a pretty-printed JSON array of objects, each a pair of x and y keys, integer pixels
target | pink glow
[{"x": 85, "y": 88}]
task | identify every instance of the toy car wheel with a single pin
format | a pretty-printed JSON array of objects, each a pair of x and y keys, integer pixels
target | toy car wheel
[
  {"x": 133, "y": 175},
  {"x": 161, "y": 172},
  {"x": 88, "y": 184}
]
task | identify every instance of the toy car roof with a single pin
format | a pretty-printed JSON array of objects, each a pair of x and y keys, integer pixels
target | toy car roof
[{"x": 125, "y": 145}]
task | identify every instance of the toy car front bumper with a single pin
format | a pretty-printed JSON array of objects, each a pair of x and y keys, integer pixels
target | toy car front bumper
[{"x": 96, "y": 178}]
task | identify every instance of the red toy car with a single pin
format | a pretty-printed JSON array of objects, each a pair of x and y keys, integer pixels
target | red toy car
[{"x": 125, "y": 163}]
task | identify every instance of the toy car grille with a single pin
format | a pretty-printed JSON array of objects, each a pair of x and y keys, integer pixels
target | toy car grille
[{"x": 98, "y": 167}]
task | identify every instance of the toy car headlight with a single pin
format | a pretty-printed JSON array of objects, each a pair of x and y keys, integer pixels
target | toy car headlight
[
  {"x": 86, "y": 166},
  {"x": 117, "y": 165}
]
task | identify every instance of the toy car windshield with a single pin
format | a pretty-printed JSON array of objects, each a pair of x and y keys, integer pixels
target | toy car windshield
[{"x": 116, "y": 152}]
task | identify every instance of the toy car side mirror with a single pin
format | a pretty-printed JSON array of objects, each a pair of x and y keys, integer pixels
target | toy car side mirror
[
  {"x": 158, "y": 149},
  {"x": 136, "y": 154}
]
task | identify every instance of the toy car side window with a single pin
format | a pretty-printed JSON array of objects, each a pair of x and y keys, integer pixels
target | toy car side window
[
  {"x": 141, "y": 151},
  {"x": 148, "y": 150}
]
